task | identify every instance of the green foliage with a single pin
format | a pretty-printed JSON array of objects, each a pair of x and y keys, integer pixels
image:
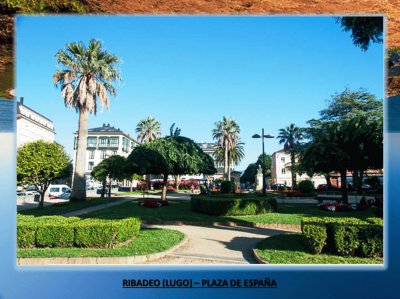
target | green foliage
[
  {"x": 26, "y": 235},
  {"x": 55, "y": 234},
  {"x": 112, "y": 167},
  {"x": 232, "y": 206},
  {"x": 58, "y": 231},
  {"x": 306, "y": 186},
  {"x": 43, "y": 6},
  {"x": 344, "y": 236},
  {"x": 249, "y": 175},
  {"x": 170, "y": 155},
  {"x": 371, "y": 239},
  {"x": 102, "y": 233},
  {"x": 227, "y": 187},
  {"x": 314, "y": 236},
  {"x": 265, "y": 162},
  {"x": 148, "y": 129},
  {"x": 40, "y": 163},
  {"x": 364, "y": 30},
  {"x": 346, "y": 239}
]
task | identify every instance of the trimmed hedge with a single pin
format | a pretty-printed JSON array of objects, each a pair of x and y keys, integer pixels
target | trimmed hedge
[
  {"x": 306, "y": 186},
  {"x": 105, "y": 233},
  {"x": 344, "y": 236},
  {"x": 58, "y": 231},
  {"x": 232, "y": 206},
  {"x": 227, "y": 187}
]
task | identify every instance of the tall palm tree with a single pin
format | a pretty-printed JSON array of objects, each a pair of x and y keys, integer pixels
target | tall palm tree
[
  {"x": 226, "y": 132},
  {"x": 290, "y": 138},
  {"x": 148, "y": 129},
  {"x": 86, "y": 81},
  {"x": 174, "y": 132},
  {"x": 235, "y": 155}
]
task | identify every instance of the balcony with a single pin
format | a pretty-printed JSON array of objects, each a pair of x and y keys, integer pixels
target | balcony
[{"x": 91, "y": 145}]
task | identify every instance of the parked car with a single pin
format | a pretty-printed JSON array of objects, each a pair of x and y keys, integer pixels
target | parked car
[
  {"x": 278, "y": 187},
  {"x": 56, "y": 190},
  {"x": 334, "y": 207},
  {"x": 65, "y": 195}
]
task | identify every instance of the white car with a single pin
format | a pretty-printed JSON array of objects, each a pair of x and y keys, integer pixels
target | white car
[{"x": 56, "y": 190}]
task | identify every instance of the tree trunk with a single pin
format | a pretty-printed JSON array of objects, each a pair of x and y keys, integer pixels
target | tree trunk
[
  {"x": 343, "y": 187},
  {"x": 328, "y": 181},
  {"x": 292, "y": 170},
  {"x": 226, "y": 162},
  {"x": 164, "y": 190},
  {"x": 177, "y": 181},
  {"x": 229, "y": 170},
  {"x": 79, "y": 181},
  {"x": 131, "y": 186},
  {"x": 109, "y": 188},
  {"x": 103, "y": 188},
  {"x": 42, "y": 192},
  {"x": 360, "y": 177}
]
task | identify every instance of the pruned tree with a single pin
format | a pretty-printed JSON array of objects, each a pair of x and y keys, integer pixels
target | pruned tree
[
  {"x": 170, "y": 156},
  {"x": 40, "y": 163}
]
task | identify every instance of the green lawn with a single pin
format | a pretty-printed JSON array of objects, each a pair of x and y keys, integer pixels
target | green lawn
[
  {"x": 289, "y": 249},
  {"x": 180, "y": 211},
  {"x": 66, "y": 207},
  {"x": 149, "y": 241}
]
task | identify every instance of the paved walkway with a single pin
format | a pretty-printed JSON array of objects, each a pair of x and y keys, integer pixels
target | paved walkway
[{"x": 216, "y": 244}]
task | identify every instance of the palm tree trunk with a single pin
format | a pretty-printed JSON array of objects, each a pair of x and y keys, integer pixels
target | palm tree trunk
[
  {"x": 226, "y": 163},
  {"x": 79, "y": 181},
  {"x": 229, "y": 170},
  {"x": 292, "y": 170},
  {"x": 164, "y": 190}
]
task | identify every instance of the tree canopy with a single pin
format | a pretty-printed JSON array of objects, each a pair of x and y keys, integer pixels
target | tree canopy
[
  {"x": 170, "y": 156},
  {"x": 113, "y": 167},
  {"x": 364, "y": 30},
  {"x": 347, "y": 137},
  {"x": 40, "y": 163}
]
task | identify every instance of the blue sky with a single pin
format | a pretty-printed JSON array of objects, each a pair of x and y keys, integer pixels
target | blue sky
[{"x": 265, "y": 72}]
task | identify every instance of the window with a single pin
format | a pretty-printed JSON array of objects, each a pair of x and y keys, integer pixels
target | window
[
  {"x": 283, "y": 171},
  {"x": 114, "y": 141},
  {"x": 91, "y": 154},
  {"x": 54, "y": 189},
  {"x": 103, "y": 154},
  {"x": 283, "y": 159},
  {"x": 91, "y": 165},
  {"x": 103, "y": 141},
  {"x": 91, "y": 141},
  {"x": 75, "y": 141}
]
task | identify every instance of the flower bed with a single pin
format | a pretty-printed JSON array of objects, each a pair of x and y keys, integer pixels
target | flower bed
[{"x": 58, "y": 231}]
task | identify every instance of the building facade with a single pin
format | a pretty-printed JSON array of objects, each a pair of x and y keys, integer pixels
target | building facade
[
  {"x": 104, "y": 142},
  {"x": 32, "y": 126},
  {"x": 281, "y": 171}
]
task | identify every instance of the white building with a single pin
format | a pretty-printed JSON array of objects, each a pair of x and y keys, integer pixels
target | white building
[
  {"x": 103, "y": 142},
  {"x": 32, "y": 126},
  {"x": 281, "y": 171}
]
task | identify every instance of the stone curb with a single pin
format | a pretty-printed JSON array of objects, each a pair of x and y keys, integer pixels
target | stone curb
[
  {"x": 257, "y": 257},
  {"x": 284, "y": 227},
  {"x": 125, "y": 260}
]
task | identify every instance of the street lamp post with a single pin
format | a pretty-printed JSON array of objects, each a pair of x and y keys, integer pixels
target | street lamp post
[{"x": 263, "y": 154}]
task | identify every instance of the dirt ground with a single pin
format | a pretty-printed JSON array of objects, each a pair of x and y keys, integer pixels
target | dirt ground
[{"x": 389, "y": 8}]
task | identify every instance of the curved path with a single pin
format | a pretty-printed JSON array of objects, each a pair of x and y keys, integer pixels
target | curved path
[{"x": 216, "y": 244}]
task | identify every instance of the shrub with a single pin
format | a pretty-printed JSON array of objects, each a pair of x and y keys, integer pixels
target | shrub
[
  {"x": 227, "y": 186},
  {"x": 232, "y": 206},
  {"x": 104, "y": 233},
  {"x": 314, "y": 236},
  {"x": 58, "y": 231},
  {"x": 344, "y": 236},
  {"x": 55, "y": 234},
  {"x": 26, "y": 235},
  {"x": 371, "y": 240},
  {"x": 346, "y": 239},
  {"x": 306, "y": 186}
]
